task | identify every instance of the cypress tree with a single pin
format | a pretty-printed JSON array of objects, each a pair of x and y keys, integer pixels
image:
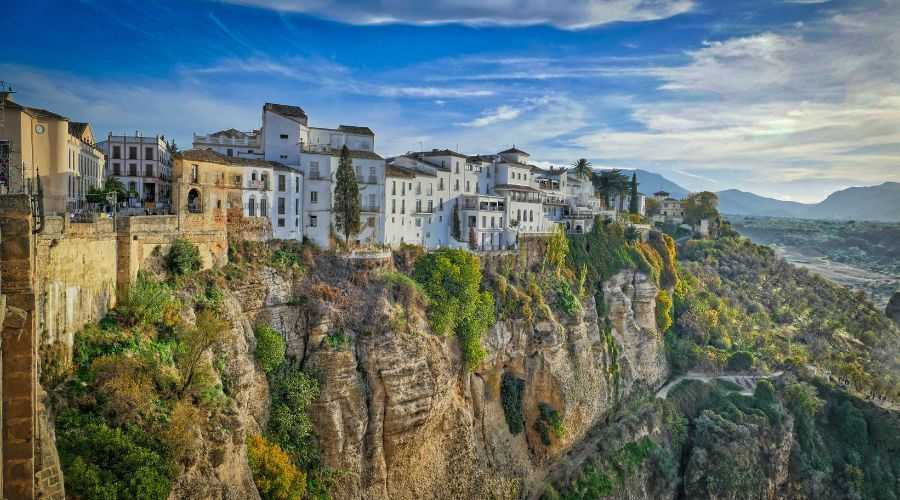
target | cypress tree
[
  {"x": 455, "y": 229},
  {"x": 346, "y": 197},
  {"x": 634, "y": 207}
]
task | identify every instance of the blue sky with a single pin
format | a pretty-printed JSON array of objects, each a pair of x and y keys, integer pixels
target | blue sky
[{"x": 786, "y": 98}]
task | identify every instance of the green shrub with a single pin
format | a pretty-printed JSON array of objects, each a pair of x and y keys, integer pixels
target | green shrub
[
  {"x": 663, "y": 311},
  {"x": 147, "y": 301},
  {"x": 290, "y": 425},
  {"x": 566, "y": 298},
  {"x": 740, "y": 361},
  {"x": 100, "y": 462},
  {"x": 276, "y": 478},
  {"x": 183, "y": 258},
  {"x": 269, "y": 347},
  {"x": 451, "y": 279},
  {"x": 549, "y": 422},
  {"x": 511, "y": 389}
]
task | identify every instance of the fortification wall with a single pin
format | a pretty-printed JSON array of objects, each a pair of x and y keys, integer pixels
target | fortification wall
[{"x": 75, "y": 271}]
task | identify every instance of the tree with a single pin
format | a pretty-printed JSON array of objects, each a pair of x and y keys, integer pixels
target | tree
[
  {"x": 699, "y": 206},
  {"x": 609, "y": 183},
  {"x": 634, "y": 207},
  {"x": 652, "y": 206},
  {"x": 196, "y": 342},
  {"x": 455, "y": 229},
  {"x": 582, "y": 169},
  {"x": 473, "y": 238},
  {"x": 346, "y": 197}
]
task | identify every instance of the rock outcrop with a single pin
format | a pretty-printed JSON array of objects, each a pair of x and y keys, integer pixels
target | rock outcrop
[
  {"x": 893, "y": 308},
  {"x": 399, "y": 417}
]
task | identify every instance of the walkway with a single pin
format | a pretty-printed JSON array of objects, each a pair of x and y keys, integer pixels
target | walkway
[{"x": 746, "y": 382}]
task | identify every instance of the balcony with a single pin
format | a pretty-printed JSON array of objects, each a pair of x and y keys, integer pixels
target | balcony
[
  {"x": 372, "y": 209},
  {"x": 258, "y": 184},
  {"x": 367, "y": 180}
]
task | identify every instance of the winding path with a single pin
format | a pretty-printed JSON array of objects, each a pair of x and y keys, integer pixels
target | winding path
[{"x": 747, "y": 382}]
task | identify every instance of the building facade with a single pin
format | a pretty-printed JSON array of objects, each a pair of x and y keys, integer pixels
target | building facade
[
  {"x": 39, "y": 143},
  {"x": 144, "y": 167}
]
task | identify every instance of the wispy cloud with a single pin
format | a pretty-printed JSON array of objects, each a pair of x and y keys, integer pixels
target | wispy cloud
[
  {"x": 492, "y": 116},
  {"x": 572, "y": 14}
]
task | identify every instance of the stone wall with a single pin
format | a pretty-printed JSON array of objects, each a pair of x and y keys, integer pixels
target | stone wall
[
  {"x": 143, "y": 243},
  {"x": 19, "y": 347},
  {"x": 75, "y": 268},
  {"x": 249, "y": 228}
]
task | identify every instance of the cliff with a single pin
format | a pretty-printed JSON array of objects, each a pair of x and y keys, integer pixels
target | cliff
[{"x": 399, "y": 417}]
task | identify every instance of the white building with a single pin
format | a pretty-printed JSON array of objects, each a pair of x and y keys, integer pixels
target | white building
[
  {"x": 232, "y": 142},
  {"x": 311, "y": 156},
  {"x": 144, "y": 167}
]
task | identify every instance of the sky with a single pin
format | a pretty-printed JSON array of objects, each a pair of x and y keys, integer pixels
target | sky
[{"x": 791, "y": 99}]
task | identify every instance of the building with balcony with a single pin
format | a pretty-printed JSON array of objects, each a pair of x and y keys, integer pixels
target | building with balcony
[{"x": 144, "y": 167}]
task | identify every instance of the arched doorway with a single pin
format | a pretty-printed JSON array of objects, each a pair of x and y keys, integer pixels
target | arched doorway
[{"x": 194, "y": 202}]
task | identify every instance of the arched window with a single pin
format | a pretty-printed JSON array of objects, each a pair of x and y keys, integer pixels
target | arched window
[{"x": 195, "y": 204}]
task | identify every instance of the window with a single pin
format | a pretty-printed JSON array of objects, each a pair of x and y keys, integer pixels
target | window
[
  {"x": 393, "y": 205},
  {"x": 373, "y": 204},
  {"x": 456, "y": 185},
  {"x": 148, "y": 153},
  {"x": 418, "y": 188},
  {"x": 117, "y": 170},
  {"x": 281, "y": 207},
  {"x": 284, "y": 136},
  {"x": 263, "y": 207},
  {"x": 372, "y": 179},
  {"x": 296, "y": 184},
  {"x": 483, "y": 221},
  {"x": 314, "y": 169},
  {"x": 457, "y": 166},
  {"x": 418, "y": 222},
  {"x": 313, "y": 221},
  {"x": 148, "y": 170},
  {"x": 132, "y": 170},
  {"x": 296, "y": 206},
  {"x": 430, "y": 206},
  {"x": 402, "y": 206},
  {"x": 283, "y": 157},
  {"x": 370, "y": 221},
  {"x": 117, "y": 152},
  {"x": 468, "y": 186},
  {"x": 394, "y": 188},
  {"x": 280, "y": 222},
  {"x": 403, "y": 189},
  {"x": 251, "y": 207},
  {"x": 282, "y": 182},
  {"x": 441, "y": 184},
  {"x": 441, "y": 204},
  {"x": 195, "y": 174},
  {"x": 430, "y": 192},
  {"x": 418, "y": 206},
  {"x": 229, "y": 152},
  {"x": 313, "y": 196},
  {"x": 132, "y": 152}
]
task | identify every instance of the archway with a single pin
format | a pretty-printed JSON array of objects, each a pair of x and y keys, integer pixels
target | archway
[{"x": 194, "y": 202}]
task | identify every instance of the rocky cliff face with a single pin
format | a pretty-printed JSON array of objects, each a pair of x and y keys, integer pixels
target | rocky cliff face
[{"x": 399, "y": 417}]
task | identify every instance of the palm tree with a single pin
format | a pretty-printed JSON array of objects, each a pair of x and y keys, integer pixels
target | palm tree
[
  {"x": 610, "y": 182},
  {"x": 582, "y": 169}
]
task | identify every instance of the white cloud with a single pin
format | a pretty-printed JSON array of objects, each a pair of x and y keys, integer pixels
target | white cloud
[
  {"x": 571, "y": 14},
  {"x": 490, "y": 117},
  {"x": 776, "y": 109}
]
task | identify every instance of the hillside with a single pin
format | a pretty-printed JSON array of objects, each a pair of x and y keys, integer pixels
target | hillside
[
  {"x": 873, "y": 203},
  {"x": 297, "y": 373}
]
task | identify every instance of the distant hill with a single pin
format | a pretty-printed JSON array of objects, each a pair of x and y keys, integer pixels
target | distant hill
[
  {"x": 651, "y": 182},
  {"x": 873, "y": 203}
]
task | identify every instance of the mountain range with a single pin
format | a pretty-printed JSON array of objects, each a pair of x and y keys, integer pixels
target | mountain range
[{"x": 879, "y": 203}]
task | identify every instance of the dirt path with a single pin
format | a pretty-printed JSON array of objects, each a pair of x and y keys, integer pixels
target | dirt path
[{"x": 747, "y": 382}]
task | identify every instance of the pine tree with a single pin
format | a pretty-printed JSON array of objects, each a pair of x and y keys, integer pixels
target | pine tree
[
  {"x": 346, "y": 197},
  {"x": 634, "y": 207}
]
